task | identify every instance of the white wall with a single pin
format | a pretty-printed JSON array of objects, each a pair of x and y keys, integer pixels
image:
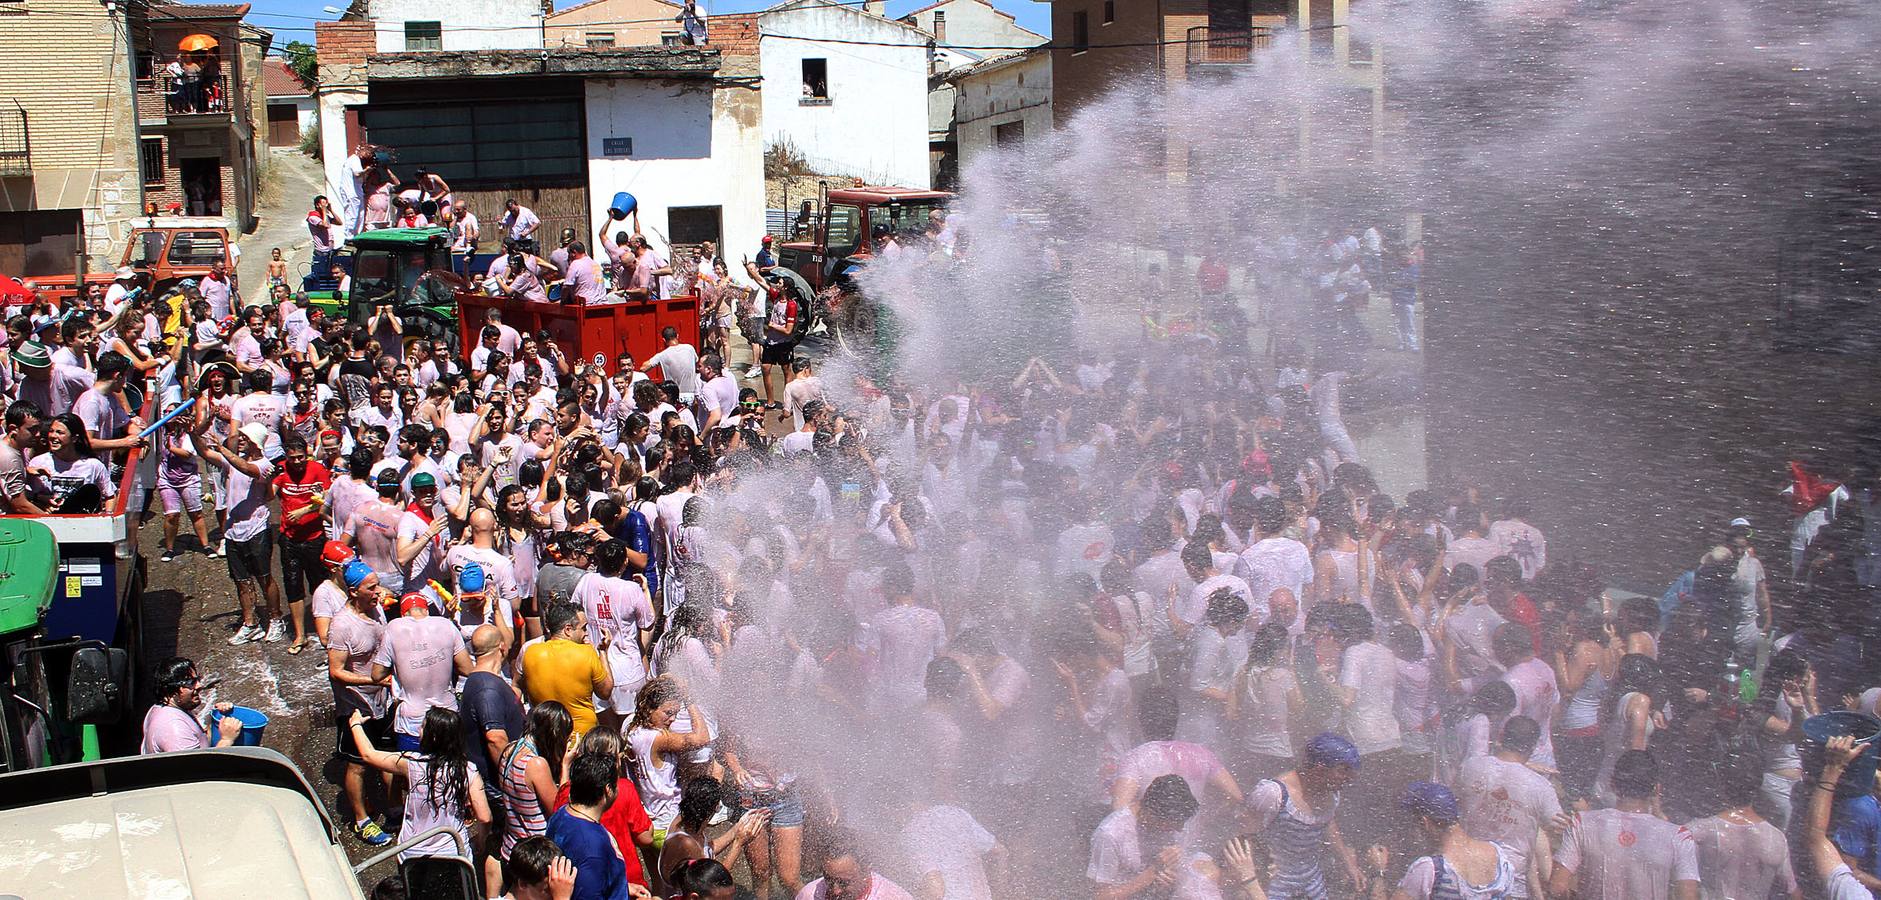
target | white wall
[
  {"x": 492, "y": 24},
  {"x": 875, "y": 126},
  {"x": 1019, "y": 91},
  {"x": 693, "y": 145},
  {"x": 333, "y": 149},
  {"x": 975, "y": 23}
]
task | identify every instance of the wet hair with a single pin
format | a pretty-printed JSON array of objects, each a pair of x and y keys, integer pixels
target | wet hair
[
  {"x": 1225, "y": 607},
  {"x": 559, "y": 616},
  {"x": 530, "y": 859},
  {"x": 1520, "y": 735},
  {"x": 172, "y": 675},
  {"x": 359, "y": 463},
  {"x": 1406, "y": 642},
  {"x": 447, "y": 768},
  {"x": 1352, "y": 624},
  {"x": 610, "y": 556},
  {"x": 600, "y": 739},
  {"x": 1156, "y": 714},
  {"x": 75, "y": 426},
  {"x": 699, "y": 878},
  {"x": 1495, "y": 700},
  {"x": 1169, "y": 798},
  {"x": 1503, "y": 570},
  {"x": 1270, "y": 514},
  {"x": 944, "y": 677},
  {"x": 1511, "y": 643},
  {"x": 699, "y": 801},
  {"x": 1788, "y": 664},
  {"x": 20, "y": 410},
  {"x": 1638, "y": 614},
  {"x": 1635, "y": 775},
  {"x": 549, "y": 727},
  {"x": 591, "y": 776},
  {"x": 1265, "y": 647},
  {"x": 897, "y": 579}
]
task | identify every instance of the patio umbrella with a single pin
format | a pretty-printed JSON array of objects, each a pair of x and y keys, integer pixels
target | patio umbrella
[
  {"x": 197, "y": 42},
  {"x": 11, "y": 290}
]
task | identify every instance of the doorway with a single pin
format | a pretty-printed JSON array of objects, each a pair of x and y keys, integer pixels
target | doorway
[{"x": 202, "y": 185}]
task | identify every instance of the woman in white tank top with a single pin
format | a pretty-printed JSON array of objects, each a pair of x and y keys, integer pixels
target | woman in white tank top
[{"x": 656, "y": 748}]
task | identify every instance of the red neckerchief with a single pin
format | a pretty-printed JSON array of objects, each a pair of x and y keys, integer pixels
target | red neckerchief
[{"x": 419, "y": 509}]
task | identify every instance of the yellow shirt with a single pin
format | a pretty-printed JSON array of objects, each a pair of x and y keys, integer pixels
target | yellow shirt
[{"x": 569, "y": 673}]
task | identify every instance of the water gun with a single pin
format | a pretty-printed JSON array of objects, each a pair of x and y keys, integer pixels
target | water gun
[{"x": 450, "y": 601}]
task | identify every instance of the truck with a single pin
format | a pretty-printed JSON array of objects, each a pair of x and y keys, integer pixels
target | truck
[
  {"x": 833, "y": 238},
  {"x": 207, "y": 824},
  {"x": 71, "y": 634},
  {"x": 165, "y": 250}
]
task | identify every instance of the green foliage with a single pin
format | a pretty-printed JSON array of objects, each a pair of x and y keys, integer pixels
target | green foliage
[{"x": 300, "y": 58}]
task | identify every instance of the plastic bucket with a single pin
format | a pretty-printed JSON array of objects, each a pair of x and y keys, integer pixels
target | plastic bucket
[
  {"x": 1858, "y": 778},
  {"x": 254, "y": 722},
  {"x": 624, "y": 203}
]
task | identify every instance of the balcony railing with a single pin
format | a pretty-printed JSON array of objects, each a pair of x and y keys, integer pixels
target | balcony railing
[
  {"x": 1226, "y": 47},
  {"x": 16, "y": 147},
  {"x": 184, "y": 97}
]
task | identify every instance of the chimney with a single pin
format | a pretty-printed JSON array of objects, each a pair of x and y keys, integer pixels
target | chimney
[
  {"x": 875, "y": 7},
  {"x": 940, "y": 27}
]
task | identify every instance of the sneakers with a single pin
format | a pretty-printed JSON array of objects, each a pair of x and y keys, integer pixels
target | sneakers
[
  {"x": 371, "y": 834},
  {"x": 753, "y": 372},
  {"x": 277, "y": 630},
  {"x": 169, "y": 556},
  {"x": 247, "y": 634}
]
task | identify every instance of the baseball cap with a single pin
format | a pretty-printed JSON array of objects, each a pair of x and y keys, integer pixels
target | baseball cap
[
  {"x": 33, "y": 355},
  {"x": 766, "y": 239},
  {"x": 1740, "y": 522},
  {"x": 256, "y": 433},
  {"x": 423, "y": 480},
  {"x": 1430, "y": 800},
  {"x": 470, "y": 579},
  {"x": 336, "y": 554},
  {"x": 1327, "y": 749},
  {"x": 355, "y": 573},
  {"x": 412, "y": 601}
]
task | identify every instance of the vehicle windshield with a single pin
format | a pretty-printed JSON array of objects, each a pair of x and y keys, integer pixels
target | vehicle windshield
[
  {"x": 907, "y": 217},
  {"x": 196, "y": 248}
]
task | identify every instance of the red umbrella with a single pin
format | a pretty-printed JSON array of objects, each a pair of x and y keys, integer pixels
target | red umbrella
[{"x": 11, "y": 290}]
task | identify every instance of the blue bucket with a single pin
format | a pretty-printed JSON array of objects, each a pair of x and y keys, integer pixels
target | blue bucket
[
  {"x": 624, "y": 204},
  {"x": 254, "y": 722},
  {"x": 1858, "y": 778}
]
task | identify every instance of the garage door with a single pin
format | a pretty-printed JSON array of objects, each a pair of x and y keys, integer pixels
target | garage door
[{"x": 283, "y": 125}]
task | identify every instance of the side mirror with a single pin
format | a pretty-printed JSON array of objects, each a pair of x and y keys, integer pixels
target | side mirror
[{"x": 95, "y": 688}]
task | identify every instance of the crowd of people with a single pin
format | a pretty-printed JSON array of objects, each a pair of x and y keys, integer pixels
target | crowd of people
[{"x": 628, "y": 629}]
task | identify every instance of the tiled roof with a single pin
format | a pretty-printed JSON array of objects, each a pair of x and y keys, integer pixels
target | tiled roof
[
  {"x": 733, "y": 35},
  {"x": 200, "y": 10},
  {"x": 279, "y": 80}
]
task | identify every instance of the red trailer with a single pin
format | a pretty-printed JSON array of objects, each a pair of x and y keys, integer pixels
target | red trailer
[{"x": 596, "y": 334}]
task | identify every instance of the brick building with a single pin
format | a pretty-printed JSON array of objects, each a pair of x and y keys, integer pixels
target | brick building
[{"x": 198, "y": 150}]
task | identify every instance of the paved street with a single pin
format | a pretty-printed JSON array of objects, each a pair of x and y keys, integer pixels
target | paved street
[{"x": 290, "y": 181}]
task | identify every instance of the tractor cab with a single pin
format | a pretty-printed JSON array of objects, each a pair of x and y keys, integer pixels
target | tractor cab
[{"x": 408, "y": 269}]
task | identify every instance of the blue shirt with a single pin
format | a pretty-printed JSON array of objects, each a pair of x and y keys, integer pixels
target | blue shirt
[
  {"x": 1856, "y": 830},
  {"x": 765, "y": 259},
  {"x": 588, "y": 846}
]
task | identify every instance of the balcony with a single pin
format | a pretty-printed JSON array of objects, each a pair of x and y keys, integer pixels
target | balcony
[
  {"x": 1226, "y": 47},
  {"x": 206, "y": 100},
  {"x": 16, "y": 148}
]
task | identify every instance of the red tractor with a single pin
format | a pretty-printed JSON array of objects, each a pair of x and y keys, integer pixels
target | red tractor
[{"x": 837, "y": 234}]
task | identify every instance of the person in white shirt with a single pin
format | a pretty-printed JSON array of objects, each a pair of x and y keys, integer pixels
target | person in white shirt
[
  {"x": 1515, "y": 537},
  {"x": 1740, "y": 854},
  {"x": 1626, "y": 852},
  {"x": 1507, "y": 803},
  {"x": 677, "y": 361},
  {"x": 1273, "y": 560},
  {"x": 1140, "y": 846},
  {"x": 949, "y": 850}
]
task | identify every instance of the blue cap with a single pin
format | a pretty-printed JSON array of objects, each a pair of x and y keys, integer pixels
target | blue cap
[
  {"x": 1432, "y": 801},
  {"x": 1327, "y": 749},
  {"x": 355, "y": 573},
  {"x": 470, "y": 579}
]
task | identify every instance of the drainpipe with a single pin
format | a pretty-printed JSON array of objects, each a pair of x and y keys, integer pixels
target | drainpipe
[{"x": 137, "y": 121}]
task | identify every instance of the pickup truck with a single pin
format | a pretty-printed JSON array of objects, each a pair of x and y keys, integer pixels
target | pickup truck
[{"x": 165, "y": 250}]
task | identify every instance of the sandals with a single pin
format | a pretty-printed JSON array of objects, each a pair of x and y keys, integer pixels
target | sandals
[{"x": 295, "y": 648}]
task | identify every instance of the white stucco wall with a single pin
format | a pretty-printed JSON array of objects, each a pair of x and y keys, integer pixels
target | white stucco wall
[
  {"x": 467, "y": 24},
  {"x": 693, "y": 145},
  {"x": 306, "y": 114},
  {"x": 875, "y": 125},
  {"x": 1018, "y": 91},
  {"x": 333, "y": 149},
  {"x": 974, "y": 23}
]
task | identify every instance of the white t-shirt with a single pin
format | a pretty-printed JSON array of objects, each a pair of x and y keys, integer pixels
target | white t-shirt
[
  {"x": 618, "y": 609},
  {"x": 1505, "y": 802},
  {"x": 903, "y": 640},
  {"x": 1535, "y": 697},
  {"x": 1274, "y": 563},
  {"x": 1522, "y": 541},
  {"x": 1472, "y": 550},
  {"x": 1420, "y": 880},
  {"x": 947, "y": 840},
  {"x": 680, "y": 365},
  {"x": 1626, "y": 855},
  {"x": 1194, "y": 607},
  {"x": 1741, "y": 860},
  {"x": 1370, "y": 670},
  {"x": 1843, "y": 886}
]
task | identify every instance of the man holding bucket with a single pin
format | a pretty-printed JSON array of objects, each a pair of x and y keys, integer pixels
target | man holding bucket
[{"x": 171, "y": 724}]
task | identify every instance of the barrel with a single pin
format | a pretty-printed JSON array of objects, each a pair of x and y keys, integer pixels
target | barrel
[
  {"x": 254, "y": 722},
  {"x": 624, "y": 204},
  {"x": 1858, "y": 778}
]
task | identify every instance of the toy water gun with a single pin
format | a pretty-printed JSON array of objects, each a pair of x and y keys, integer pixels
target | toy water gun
[{"x": 450, "y": 601}]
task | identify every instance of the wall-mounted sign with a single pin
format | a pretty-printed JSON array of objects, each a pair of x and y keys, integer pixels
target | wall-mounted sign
[{"x": 617, "y": 146}]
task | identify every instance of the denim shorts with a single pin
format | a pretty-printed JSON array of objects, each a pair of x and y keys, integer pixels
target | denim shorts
[{"x": 785, "y": 805}]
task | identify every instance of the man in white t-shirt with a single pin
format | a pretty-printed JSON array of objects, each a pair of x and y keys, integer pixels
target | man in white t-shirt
[
  {"x": 1506, "y": 802},
  {"x": 1141, "y": 845},
  {"x": 1536, "y": 691},
  {"x": 719, "y": 393},
  {"x": 1627, "y": 853},
  {"x": 1273, "y": 560},
  {"x": 948, "y": 848},
  {"x": 902, "y": 640},
  {"x": 423, "y": 654},
  {"x": 1513, "y": 536},
  {"x": 678, "y": 362}
]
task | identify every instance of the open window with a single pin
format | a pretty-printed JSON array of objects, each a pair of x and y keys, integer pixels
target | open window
[{"x": 815, "y": 80}]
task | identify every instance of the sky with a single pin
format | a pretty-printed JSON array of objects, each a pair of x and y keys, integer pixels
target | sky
[{"x": 293, "y": 20}]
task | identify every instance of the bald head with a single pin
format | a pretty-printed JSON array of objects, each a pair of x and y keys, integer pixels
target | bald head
[
  {"x": 485, "y": 640},
  {"x": 482, "y": 521}
]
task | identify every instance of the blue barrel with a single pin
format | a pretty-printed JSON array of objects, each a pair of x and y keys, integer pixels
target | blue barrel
[
  {"x": 624, "y": 203},
  {"x": 1858, "y": 778},
  {"x": 254, "y": 722}
]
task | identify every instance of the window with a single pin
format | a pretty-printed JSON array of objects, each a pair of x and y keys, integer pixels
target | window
[
  {"x": 600, "y": 38},
  {"x": 152, "y": 159},
  {"x": 844, "y": 227},
  {"x": 1011, "y": 133},
  {"x": 940, "y": 27},
  {"x": 1110, "y": 11},
  {"x": 693, "y": 225},
  {"x": 1080, "y": 32},
  {"x": 424, "y": 35},
  {"x": 816, "y": 81},
  {"x": 196, "y": 248},
  {"x": 672, "y": 39}
]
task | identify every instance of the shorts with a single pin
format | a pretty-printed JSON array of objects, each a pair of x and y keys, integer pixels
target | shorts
[
  {"x": 180, "y": 496},
  {"x": 785, "y": 805},
  {"x": 219, "y": 484},
  {"x": 302, "y": 569},
  {"x": 251, "y": 559},
  {"x": 778, "y": 354},
  {"x": 378, "y": 731},
  {"x": 406, "y": 743}
]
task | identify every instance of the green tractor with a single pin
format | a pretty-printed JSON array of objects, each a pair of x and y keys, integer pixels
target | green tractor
[{"x": 409, "y": 269}]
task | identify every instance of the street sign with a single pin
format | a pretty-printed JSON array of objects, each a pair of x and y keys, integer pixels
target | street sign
[{"x": 617, "y": 146}]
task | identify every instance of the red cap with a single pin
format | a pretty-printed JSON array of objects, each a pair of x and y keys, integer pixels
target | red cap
[
  {"x": 412, "y": 601},
  {"x": 767, "y": 239},
  {"x": 336, "y": 554}
]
